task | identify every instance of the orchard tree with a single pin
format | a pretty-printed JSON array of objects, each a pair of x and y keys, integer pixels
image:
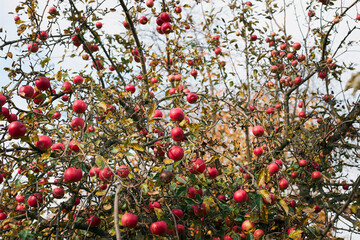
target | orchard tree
[{"x": 180, "y": 120}]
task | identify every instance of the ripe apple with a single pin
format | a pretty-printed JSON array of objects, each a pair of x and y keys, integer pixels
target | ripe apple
[
  {"x": 150, "y": 3},
  {"x": 93, "y": 221},
  {"x": 44, "y": 143},
  {"x": 302, "y": 114},
  {"x": 298, "y": 80},
  {"x": 316, "y": 175},
  {"x": 192, "y": 98},
  {"x": 197, "y": 166},
  {"x": 157, "y": 114},
  {"x": 258, "y": 131},
  {"x": 296, "y": 46},
  {"x": 241, "y": 196},
  {"x": 143, "y": 20},
  {"x": 43, "y": 35},
  {"x": 20, "y": 198},
  {"x": 77, "y": 124},
  {"x": 42, "y": 83},
  {"x": 94, "y": 171},
  {"x": 153, "y": 205},
  {"x": 25, "y": 91},
  {"x": 16, "y": 18},
  {"x": 258, "y": 151},
  {"x": 58, "y": 192},
  {"x": 247, "y": 226},
  {"x": 192, "y": 192},
  {"x": 123, "y": 171},
  {"x": 258, "y": 233},
  {"x": 212, "y": 172},
  {"x": 52, "y": 10},
  {"x": 20, "y": 208},
  {"x": 158, "y": 228},
  {"x": 129, "y": 220},
  {"x": 74, "y": 145},
  {"x": 283, "y": 184},
  {"x": 17, "y": 129},
  {"x": 105, "y": 175},
  {"x": 193, "y": 73},
  {"x": 177, "y": 114},
  {"x": 79, "y": 106},
  {"x": 311, "y": 13},
  {"x": 35, "y": 200},
  {"x": 294, "y": 174},
  {"x": 177, "y": 134},
  {"x": 98, "y": 25},
  {"x": 302, "y": 163},
  {"x": 130, "y": 88},
  {"x": 72, "y": 175},
  {"x": 176, "y": 153},
  {"x": 273, "y": 168},
  {"x": 270, "y": 110},
  {"x": 78, "y": 80},
  {"x": 33, "y": 47},
  {"x": 66, "y": 87},
  {"x": 253, "y": 37},
  {"x": 58, "y": 146},
  {"x": 166, "y": 28},
  {"x": 178, "y": 213}
]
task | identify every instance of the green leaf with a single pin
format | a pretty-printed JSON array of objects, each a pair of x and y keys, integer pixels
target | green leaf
[
  {"x": 100, "y": 161},
  {"x": 295, "y": 233}
]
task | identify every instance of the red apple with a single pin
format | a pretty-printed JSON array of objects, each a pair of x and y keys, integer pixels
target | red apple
[
  {"x": 283, "y": 184},
  {"x": 17, "y": 129},
  {"x": 212, "y": 172},
  {"x": 197, "y": 166},
  {"x": 58, "y": 192},
  {"x": 123, "y": 171},
  {"x": 42, "y": 83},
  {"x": 158, "y": 228},
  {"x": 177, "y": 134},
  {"x": 192, "y": 98},
  {"x": 98, "y": 25},
  {"x": 72, "y": 175},
  {"x": 78, "y": 80},
  {"x": 241, "y": 196},
  {"x": 66, "y": 87},
  {"x": 176, "y": 153},
  {"x": 177, "y": 114},
  {"x": 33, "y": 47},
  {"x": 258, "y": 131},
  {"x": 316, "y": 175},
  {"x": 258, "y": 233},
  {"x": 106, "y": 175},
  {"x": 247, "y": 226},
  {"x": 26, "y": 91},
  {"x": 79, "y": 106},
  {"x": 129, "y": 220},
  {"x": 93, "y": 221},
  {"x": 94, "y": 171},
  {"x": 52, "y": 10},
  {"x": 130, "y": 88},
  {"x": 74, "y": 145},
  {"x": 77, "y": 124},
  {"x": 178, "y": 213},
  {"x": 273, "y": 168},
  {"x": 44, "y": 143}
]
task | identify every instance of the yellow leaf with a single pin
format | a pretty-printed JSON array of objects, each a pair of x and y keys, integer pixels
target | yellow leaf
[
  {"x": 159, "y": 213},
  {"x": 264, "y": 176},
  {"x": 284, "y": 206},
  {"x": 9, "y": 54},
  {"x": 265, "y": 194},
  {"x": 295, "y": 234},
  {"x": 151, "y": 110},
  {"x": 136, "y": 147},
  {"x": 102, "y": 105},
  {"x": 168, "y": 161}
]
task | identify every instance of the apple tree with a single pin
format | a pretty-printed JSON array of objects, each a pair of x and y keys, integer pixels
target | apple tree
[{"x": 180, "y": 120}]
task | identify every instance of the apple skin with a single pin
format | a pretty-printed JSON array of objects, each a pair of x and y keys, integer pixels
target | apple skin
[
  {"x": 98, "y": 25},
  {"x": 197, "y": 166},
  {"x": 247, "y": 226},
  {"x": 66, "y": 87},
  {"x": 176, "y": 153},
  {"x": 143, "y": 20},
  {"x": 16, "y": 18},
  {"x": 43, "y": 35},
  {"x": 302, "y": 114},
  {"x": 294, "y": 174},
  {"x": 44, "y": 143},
  {"x": 2, "y": 100},
  {"x": 78, "y": 80},
  {"x": 192, "y": 192},
  {"x": 296, "y": 46},
  {"x": 35, "y": 200},
  {"x": 193, "y": 73},
  {"x": 212, "y": 172},
  {"x": 72, "y": 175},
  {"x": 129, "y": 220},
  {"x": 302, "y": 163},
  {"x": 166, "y": 176},
  {"x": 123, "y": 171},
  {"x": 316, "y": 175},
  {"x": 74, "y": 145},
  {"x": 58, "y": 193},
  {"x": 130, "y": 88},
  {"x": 272, "y": 200},
  {"x": 153, "y": 205},
  {"x": 42, "y": 83},
  {"x": 150, "y": 3},
  {"x": 20, "y": 198},
  {"x": 177, "y": 134},
  {"x": 94, "y": 171},
  {"x": 58, "y": 146},
  {"x": 52, "y": 10},
  {"x": 273, "y": 168},
  {"x": 258, "y": 131},
  {"x": 157, "y": 114},
  {"x": 192, "y": 98},
  {"x": 253, "y": 37},
  {"x": 166, "y": 28},
  {"x": 26, "y": 91},
  {"x": 79, "y": 106},
  {"x": 17, "y": 129},
  {"x": 20, "y": 208},
  {"x": 159, "y": 228},
  {"x": 283, "y": 184},
  {"x": 77, "y": 124},
  {"x": 93, "y": 221},
  {"x": 241, "y": 196},
  {"x": 217, "y": 51},
  {"x": 33, "y": 47},
  {"x": 178, "y": 213},
  {"x": 258, "y": 233},
  {"x": 176, "y": 114},
  {"x": 105, "y": 175}
]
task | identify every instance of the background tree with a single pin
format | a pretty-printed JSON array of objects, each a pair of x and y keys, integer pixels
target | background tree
[{"x": 192, "y": 120}]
